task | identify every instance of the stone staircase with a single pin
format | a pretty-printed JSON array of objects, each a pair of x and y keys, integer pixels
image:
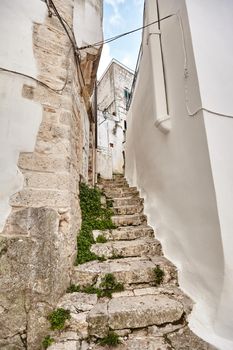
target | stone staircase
[{"x": 147, "y": 315}]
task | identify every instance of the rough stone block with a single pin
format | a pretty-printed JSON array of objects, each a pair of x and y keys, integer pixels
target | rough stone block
[
  {"x": 138, "y": 312},
  {"x": 44, "y": 163},
  {"x": 137, "y": 247}
]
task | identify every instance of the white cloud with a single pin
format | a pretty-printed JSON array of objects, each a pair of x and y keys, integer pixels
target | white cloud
[
  {"x": 116, "y": 18},
  {"x": 104, "y": 60}
]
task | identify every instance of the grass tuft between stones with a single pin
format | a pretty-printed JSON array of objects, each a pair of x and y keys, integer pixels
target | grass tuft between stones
[
  {"x": 159, "y": 275},
  {"x": 107, "y": 286},
  {"x": 58, "y": 318},
  {"x": 47, "y": 341},
  {"x": 101, "y": 239},
  {"x": 111, "y": 339},
  {"x": 95, "y": 216}
]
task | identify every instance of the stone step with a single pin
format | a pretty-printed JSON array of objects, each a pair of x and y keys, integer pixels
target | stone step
[
  {"x": 132, "y": 200},
  {"x": 137, "y": 247},
  {"x": 125, "y": 233},
  {"x": 114, "y": 188},
  {"x": 128, "y": 209},
  {"x": 166, "y": 337},
  {"x": 133, "y": 312},
  {"x": 112, "y": 185},
  {"x": 121, "y": 192},
  {"x": 121, "y": 189},
  {"x": 129, "y": 271},
  {"x": 128, "y": 220}
]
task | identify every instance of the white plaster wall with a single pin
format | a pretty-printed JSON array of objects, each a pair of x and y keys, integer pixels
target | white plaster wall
[
  {"x": 186, "y": 175},
  {"x": 215, "y": 74},
  {"x": 19, "y": 117},
  {"x": 88, "y": 21}
]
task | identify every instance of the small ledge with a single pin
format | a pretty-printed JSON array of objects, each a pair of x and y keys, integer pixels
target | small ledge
[{"x": 163, "y": 124}]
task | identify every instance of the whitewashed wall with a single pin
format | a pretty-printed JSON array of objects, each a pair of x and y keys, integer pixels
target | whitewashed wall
[
  {"x": 185, "y": 175},
  {"x": 19, "y": 125}
]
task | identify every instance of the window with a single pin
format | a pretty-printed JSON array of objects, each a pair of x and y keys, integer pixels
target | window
[{"x": 126, "y": 95}]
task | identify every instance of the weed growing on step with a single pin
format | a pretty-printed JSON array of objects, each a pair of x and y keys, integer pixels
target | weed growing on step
[
  {"x": 58, "y": 318},
  {"x": 116, "y": 256},
  {"x": 159, "y": 275},
  {"x": 94, "y": 217},
  {"x": 107, "y": 286},
  {"x": 111, "y": 339},
  {"x": 101, "y": 239},
  {"x": 110, "y": 285},
  {"x": 47, "y": 342},
  {"x": 73, "y": 289},
  {"x": 110, "y": 203}
]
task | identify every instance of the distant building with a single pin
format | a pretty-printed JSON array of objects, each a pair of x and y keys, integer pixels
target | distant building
[{"x": 113, "y": 93}]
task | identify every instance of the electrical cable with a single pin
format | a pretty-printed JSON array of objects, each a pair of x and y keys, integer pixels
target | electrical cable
[
  {"x": 186, "y": 74},
  {"x": 73, "y": 43},
  {"x": 190, "y": 113},
  {"x": 37, "y": 80},
  {"x": 99, "y": 43}
]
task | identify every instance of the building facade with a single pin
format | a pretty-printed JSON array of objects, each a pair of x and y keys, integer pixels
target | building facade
[
  {"x": 179, "y": 151},
  {"x": 113, "y": 92},
  {"x": 46, "y": 129}
]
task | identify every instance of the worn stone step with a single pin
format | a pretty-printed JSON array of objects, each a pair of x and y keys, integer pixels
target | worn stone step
[
  {"x": 128, "y": 220},
  {"x": 167, "y": 337},
  {"x": 121, "y": 192},
  {"x": 145, "y": 342},
  {"x": 125, "y": 233},
  {"x": 128, "y": 271},
  {"x": 137, "y": 247},
  {"x": 133, "y": 312},
  {"x": 132, "y": 200},
  {"x": 128, "y": 209},
  {"x": 121, "y": 189},
  {"x": 113, "y": 184}
]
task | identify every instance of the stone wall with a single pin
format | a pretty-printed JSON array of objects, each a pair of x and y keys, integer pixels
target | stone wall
[{"x": 38, "y": 243}]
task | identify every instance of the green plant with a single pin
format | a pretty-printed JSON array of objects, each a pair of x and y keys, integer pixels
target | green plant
[
  {"x": 101, "y": 239},
  {"x": 159, "y": 275},
  {"x": 58, "y": 318},
  {"x": 110, "y": 203},
  {"x": 107, "y": 286},
  {"x": 116, "y": 256},
  {"x": 111, "y": 339},
  {"x": 73, "y": 289},
  {"x": 94, "y": 217},
  {"x": 110, "y": 285},
  {"x": 47, "y": 341}
]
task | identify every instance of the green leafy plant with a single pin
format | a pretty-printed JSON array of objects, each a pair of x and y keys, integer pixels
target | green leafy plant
[
  {"x": 110, "y": 285},
  {"x": 58, "y": 318},
  {"x": 116, "y": 256},
  {"x": 107, "y": 286},
  {"x": 94, "y": 217},
  {"x": 73, "y": 289},
  {"x": 101, "y": 239},
  {"x": 111, "y": 339},
  {"x": 159, "y": 275},
  {"x": 47, "y": 341},
  {"x": 110, "y": 203}
]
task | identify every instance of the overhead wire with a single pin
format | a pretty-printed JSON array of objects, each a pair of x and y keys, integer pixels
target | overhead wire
[
  {"x": 73, "y": 41},
  {"x": 37, "y": 80},
  {"x": 106, "y": 41},
  {"x": 73, "y": 45}
]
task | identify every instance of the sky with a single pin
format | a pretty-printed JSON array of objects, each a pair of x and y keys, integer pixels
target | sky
[{"x": 121, "y": 16}]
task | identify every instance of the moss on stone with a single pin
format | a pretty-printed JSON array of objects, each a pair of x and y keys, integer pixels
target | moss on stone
[{"x": 94, "y": 217}]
